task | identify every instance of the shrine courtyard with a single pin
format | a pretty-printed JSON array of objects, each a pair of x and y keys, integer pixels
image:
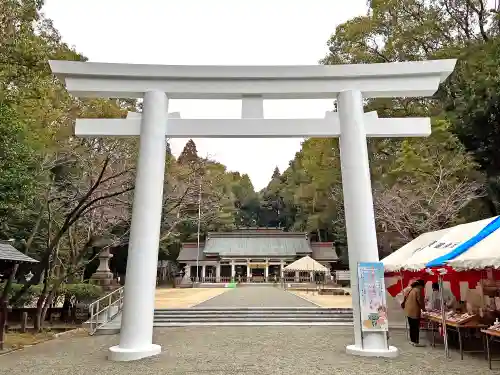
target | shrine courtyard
[{"x": 235, "y": 350}]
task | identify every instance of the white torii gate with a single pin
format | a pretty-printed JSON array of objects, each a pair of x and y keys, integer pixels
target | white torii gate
[{"x": 349, "y": 84}]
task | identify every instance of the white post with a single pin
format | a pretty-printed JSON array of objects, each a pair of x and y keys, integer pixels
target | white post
[
  {"x": 249, "y": 271},
  {"x": 233, "y": 270},
  {"x": 136, "y": 334},
  {"x": 359, "y": 216},
  {"x": 198, "y": 237},
  {"x": 203, "y": 271},
  {"x": 217, "y": 273}
]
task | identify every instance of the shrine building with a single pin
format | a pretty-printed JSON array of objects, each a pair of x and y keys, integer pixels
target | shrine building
[{"x": 251, "y": 254}]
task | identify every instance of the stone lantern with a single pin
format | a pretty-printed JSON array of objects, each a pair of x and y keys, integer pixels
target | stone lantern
[{"x": 103, "y": 276}]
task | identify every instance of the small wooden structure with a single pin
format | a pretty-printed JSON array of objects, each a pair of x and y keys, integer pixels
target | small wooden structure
[{"x": 10, "y": 258}]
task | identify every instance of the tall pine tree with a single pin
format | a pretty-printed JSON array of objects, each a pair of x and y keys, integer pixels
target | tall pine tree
[
  {"x": 189, "y": 154},
  {"x": 276, "y": 174}
]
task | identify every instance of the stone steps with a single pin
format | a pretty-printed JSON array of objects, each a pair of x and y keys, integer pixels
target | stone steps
[
  {"x": 229, "y": 319},
  {"x": 271, "y": 316},
  {"x": 254, "y": 310}
]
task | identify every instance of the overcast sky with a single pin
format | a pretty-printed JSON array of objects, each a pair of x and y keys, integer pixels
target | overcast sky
[{"x": 205, "y": 32}]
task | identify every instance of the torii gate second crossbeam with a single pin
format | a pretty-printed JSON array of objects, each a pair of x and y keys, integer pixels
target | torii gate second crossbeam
[
  {"x": 349, "y": 84},
  {"x": 254, "y": 127}
]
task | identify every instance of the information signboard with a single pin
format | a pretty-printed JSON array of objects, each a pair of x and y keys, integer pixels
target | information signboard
[{"x": 372, "y": 297}]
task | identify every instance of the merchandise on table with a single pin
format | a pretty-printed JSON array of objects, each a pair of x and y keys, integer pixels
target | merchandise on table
[
  {"x": 459, "y": 318},
  {"x": 495, "y": 326},
  {"x": 451, "y": 316},
  {"x": 436, "y": 314}
]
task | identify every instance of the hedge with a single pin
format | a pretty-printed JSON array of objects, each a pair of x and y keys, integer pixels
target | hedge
[{"x": 78, "y": 292}]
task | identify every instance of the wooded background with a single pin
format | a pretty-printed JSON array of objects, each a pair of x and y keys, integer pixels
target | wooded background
[{"x": 62, "y": 198}]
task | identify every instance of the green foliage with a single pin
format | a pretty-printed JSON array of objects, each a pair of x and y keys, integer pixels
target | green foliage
[
  {"x": 44, "y": 173},
  {"x": 81, "y": 292},
  {"x": 78, "y": 292},
  {"x": 303, "y": 198},
  {"x": 471, "y": 98},
  {"x": 19, "y": 165},
  {"x": 246, "y": 200},
  {"x": 426, "y": 183},
  {"x": 33, "y": 292}
]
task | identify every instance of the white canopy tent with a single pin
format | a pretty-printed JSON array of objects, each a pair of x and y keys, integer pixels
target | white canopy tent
[
  {"x": 399, "y": 259},
  {"x": 485, "y": 254},
  {"x": 414, "y": 258},
  {"x": 306, "y": 264}
]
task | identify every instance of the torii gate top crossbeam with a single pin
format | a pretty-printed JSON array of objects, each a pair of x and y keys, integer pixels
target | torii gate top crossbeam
[{"x": 407, "y": 79}]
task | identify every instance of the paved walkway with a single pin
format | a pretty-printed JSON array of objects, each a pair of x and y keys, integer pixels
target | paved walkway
[
  {"x": 256, "y": 296},
  {"x": 178, "y": 298},
  {"x": 237, "y": 350},
  {"x": 324, "y": 300}
]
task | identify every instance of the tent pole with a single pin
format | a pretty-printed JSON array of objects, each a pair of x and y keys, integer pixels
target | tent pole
[
  {"x": 403, "y": 293},
  {"x": 443, "y": 316}
]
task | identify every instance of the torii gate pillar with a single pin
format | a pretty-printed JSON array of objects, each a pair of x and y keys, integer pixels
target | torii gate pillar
[
  {"x": 359, "y": 216},
  {"x": 136, "y": 333}
]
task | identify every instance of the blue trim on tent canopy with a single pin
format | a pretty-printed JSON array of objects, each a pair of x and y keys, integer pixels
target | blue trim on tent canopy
[{"x": 459, "y": 250}]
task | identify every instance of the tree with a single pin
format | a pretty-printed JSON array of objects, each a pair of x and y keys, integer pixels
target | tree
[
  {"x": 18, "y": 169},
  {"x": 82, "y": 205},
  {"x": 302, "y": 192},
  {"x": 169, "y": 150},
  {"x": 62, "y": 199},
  {"x": 54, "y": 189},
  {"x": 276, "y": 174},
  {"x": 272, "y": 212},
  {"x": 427, "y": 185},
  {"x": 433, "y": 177},
  {"x": 189, "y": 154},
  {"x": 201, "y": 184},
  {"x": 402, "y": 30},
  {"x": 246, "y": 201},
  {"x": 470, "y": 99}
]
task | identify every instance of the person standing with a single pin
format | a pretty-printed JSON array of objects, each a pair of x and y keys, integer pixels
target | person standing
[
  {"x": 434, "y": 302},
  {"x": 413, "y": 305}
]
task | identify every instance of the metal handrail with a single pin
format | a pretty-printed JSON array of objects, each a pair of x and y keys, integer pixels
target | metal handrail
[{"x": 101, "y": 313}]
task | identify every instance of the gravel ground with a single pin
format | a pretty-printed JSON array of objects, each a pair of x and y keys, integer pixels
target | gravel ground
[
  {"x": 257, "y": 296},
  {"x": 236, "y": 350}
]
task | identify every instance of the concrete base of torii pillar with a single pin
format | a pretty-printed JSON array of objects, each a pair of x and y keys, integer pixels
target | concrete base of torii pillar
[{"x": 359, "y": 216}]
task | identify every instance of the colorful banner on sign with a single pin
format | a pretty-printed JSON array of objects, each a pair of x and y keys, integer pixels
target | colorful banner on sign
[{"x": 372, "y": 297}]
